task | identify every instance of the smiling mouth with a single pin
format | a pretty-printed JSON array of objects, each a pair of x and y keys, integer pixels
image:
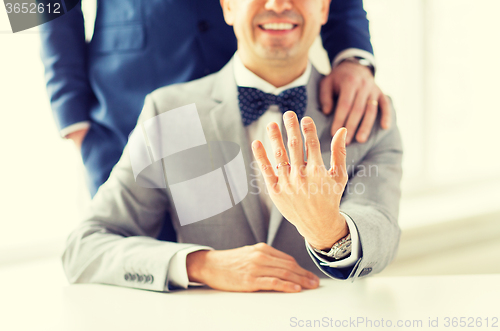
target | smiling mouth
[{"x": 278, "y": 26}]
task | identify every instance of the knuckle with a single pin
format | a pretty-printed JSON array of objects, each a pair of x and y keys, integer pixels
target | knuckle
[
  {"x": 260, "y": 246},
  {"x": 293, "y": 142},
  {"x": 352, "y": 79},
  {"x": 285, "y": 274},
  {"x": 278, "y": 152},
  {"x": 274, "y": 137},
  {"x": 291, "y": 123},
  {"x": 311, "y": 142},
  {"x": 291, "y": 264},
  {"x": 274, "y": 282},
  {"x": 248, "y": 281},
  {"x": 343, "y": 104}
]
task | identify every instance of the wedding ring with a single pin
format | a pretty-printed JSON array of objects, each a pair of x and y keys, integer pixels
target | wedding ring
[
  {"x": 373, "y": 102},
  {"x": 282, "y": 164}
]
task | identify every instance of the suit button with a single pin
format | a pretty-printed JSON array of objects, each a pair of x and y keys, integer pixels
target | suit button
[
  {"x": 132, "y": 277},
  {"x": 127, "y": 277},
  {"x": 148, "y": 278},
  {"x": 203, "y": 26},
  {"x": 140, "y": 279},
  {"x": 365, "y": 272}
]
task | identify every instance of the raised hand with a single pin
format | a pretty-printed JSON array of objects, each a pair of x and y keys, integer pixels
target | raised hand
[{"x": 306, "y": 193}]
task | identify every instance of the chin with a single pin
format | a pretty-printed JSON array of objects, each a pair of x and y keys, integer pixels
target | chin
[{"x": 277, "y": 53}]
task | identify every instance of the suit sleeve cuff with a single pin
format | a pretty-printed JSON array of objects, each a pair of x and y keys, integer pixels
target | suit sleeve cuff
[
  {"x": 74, "y": 127},
  {"x": 355, "y": 248},
  {"x": 351, "y": 52},
  {"x": 177, "y": 273}
]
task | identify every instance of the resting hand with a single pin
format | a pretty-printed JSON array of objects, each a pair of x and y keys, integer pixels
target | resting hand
[
  {"x": 248, "y": 269},
  {"x": 307, "y": 194},
  {"x": 358, "y": 101}
]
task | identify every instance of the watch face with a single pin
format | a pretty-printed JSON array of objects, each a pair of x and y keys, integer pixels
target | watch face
[{"x": 343, "y": 251}]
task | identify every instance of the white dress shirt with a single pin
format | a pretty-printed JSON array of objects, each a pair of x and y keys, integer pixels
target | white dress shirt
[{"x": 177, "y": 273}]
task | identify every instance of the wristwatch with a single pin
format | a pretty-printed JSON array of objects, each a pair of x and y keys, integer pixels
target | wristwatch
[
  {"x": 361, "y": 61},
  {"x": 339, "y": 250}
]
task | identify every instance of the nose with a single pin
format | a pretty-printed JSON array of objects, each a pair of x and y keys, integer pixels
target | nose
[{"x": 278, "y": 6}]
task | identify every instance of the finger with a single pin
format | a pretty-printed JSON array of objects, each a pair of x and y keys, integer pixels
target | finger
[
  {"x": 385, "y": 108},
  {"x": 294, "y": 139},
  {"x": 326, "y": 94},
  {"x": 368, "y": 120},
  {"x": 275, "y": 284},
  {"x": 263, "y": 247},
  {"x": 312, "y": 142},
  {"x": 265, "y": 166},
  {"x": 288, "y": 275},
  {"x": 344, "y": 105},
  {"x": 274, "y": 133},
  {"x": 338, "y": 161},
  {"x": 277, "y": 258},
  {"x": 356, "y": 114},
  {"x": 291, "y": 267}
]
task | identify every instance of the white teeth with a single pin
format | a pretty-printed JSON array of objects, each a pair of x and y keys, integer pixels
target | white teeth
[{"x": 278, "y": 26}]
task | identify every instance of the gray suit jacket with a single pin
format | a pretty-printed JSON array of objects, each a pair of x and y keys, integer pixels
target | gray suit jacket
[{"x": 116, "y": 243}]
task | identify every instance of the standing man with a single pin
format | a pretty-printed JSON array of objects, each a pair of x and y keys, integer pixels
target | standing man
[
  {"x": 97, "y": 89},
  {"x": 315, "y": 221}
]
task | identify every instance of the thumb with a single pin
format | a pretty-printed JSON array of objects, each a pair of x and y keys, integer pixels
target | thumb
[{"x": 338, "y": 162}]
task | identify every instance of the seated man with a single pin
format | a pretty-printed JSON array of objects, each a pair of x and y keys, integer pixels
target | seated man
[{"x": 307, "y": 221}]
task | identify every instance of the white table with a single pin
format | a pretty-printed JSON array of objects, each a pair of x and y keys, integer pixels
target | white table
[{"x": 102, "y": 307}]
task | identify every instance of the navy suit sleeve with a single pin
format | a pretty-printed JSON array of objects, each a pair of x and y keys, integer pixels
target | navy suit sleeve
[
  {"x": 347, "y": 27},
  {"x": 64, "y": 55}
]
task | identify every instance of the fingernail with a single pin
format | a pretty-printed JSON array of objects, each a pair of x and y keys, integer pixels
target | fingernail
[
  {"x": 289, "y": 114},
  {"x": 345, "y": 135},
  {"x": 312, "y": 282},
  {"x": 296, "y": 287},
  {"x": 307, "y": 120}
]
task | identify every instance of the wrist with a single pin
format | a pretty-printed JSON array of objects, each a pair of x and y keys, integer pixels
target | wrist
[
  {"x": 357, "y": 60},
  {"x": 328, "y": 238},
  {"x": 195, "y": 265}
]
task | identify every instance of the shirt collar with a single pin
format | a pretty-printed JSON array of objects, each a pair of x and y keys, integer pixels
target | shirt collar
[{"x": 245, "y": 78}]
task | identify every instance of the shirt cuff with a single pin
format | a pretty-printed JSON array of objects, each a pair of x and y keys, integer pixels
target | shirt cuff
[
  {"x": 355, "y": 248},
  {"x": 177, "y": 272},
  {"x": 351, "y": 52},
  {"x": 74, "y": 127}
]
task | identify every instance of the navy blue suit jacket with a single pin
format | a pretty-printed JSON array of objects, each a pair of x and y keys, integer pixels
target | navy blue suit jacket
[{"x": 139, "y": 46}]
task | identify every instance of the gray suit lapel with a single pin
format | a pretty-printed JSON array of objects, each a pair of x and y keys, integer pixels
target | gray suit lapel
[{"x": 228, "y": 126}]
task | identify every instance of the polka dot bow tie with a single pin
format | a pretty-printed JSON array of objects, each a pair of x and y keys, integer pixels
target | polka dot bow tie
[{"x": 253, "y": 102}]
